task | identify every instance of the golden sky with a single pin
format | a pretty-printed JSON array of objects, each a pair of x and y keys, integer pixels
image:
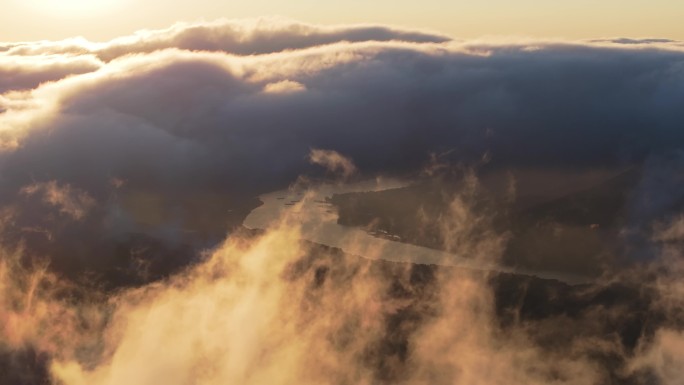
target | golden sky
[{"x": 98, "y": 20}]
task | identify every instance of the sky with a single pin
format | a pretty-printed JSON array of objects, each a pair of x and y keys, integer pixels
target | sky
[{"x": 98, "y": 20}]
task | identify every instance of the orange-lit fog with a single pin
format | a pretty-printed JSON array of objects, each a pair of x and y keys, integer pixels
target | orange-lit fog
[{"x": 270, "y": 309}]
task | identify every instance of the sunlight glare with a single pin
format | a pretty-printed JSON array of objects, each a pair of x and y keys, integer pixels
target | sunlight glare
[{"x": 74, "y": 7}]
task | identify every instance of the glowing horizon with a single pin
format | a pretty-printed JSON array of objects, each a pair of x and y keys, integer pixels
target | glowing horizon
[{"x": 103, "y": 20}]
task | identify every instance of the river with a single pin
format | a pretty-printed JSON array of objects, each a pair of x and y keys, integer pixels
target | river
[{"x": 318, "y": 221}]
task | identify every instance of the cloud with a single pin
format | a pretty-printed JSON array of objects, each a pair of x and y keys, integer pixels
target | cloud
[
  {"x": 624, "y": 40},
  {"x": 284, "y": 86},
  {"x": 664, "y": 356},
  {"x": 661, "y": 353},
  {"x": 68, "y": 47},
  {"x": 72, "y": 202},
  {"x": 24, "y": 73},
  {"x": 333, "y": 162},
  {"x": 257, "y": 36}
]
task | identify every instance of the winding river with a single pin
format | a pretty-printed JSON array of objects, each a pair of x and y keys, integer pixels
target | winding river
[{"x": 318, "y": 221}]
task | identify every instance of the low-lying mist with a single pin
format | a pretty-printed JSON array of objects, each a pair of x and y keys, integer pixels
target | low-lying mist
[{"x": 268, "y": 307}]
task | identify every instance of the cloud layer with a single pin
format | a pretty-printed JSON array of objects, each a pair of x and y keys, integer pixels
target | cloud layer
[{"x": 231, "y": 109}]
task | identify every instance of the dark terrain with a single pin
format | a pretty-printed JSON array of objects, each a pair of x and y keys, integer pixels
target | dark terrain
[{"x": 576, "y": 233}]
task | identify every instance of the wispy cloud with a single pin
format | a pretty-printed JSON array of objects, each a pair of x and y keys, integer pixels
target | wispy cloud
[{"x": 333, "y": 161}]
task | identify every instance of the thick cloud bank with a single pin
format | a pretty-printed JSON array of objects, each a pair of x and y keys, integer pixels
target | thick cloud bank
[
  {"x": 120, "y": 160},
  {"x": 216, "y": 113}
]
